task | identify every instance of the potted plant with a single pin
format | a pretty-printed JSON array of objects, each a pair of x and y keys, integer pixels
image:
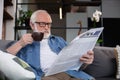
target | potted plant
[
  {"x": 24, "y": 18},
  {"x": 96, "y": 18}
]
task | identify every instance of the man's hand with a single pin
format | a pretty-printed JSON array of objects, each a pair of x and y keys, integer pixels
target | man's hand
[
  {"x": 88, "y": 57},
  {"x": 26, "y": 39}
]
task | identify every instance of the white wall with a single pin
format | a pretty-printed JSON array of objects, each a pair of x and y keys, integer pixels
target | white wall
[
  {"x": 111, "y": 8},
  {"x": 1, "y": 17},
  {"x": 10, "y": 24},
  {"x": 71, "y": 21}
]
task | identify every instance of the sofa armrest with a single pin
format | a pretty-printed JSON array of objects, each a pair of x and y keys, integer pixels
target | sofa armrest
[
  {"x": 104, "y": 64},
  {"x": 5, "y": 44}
]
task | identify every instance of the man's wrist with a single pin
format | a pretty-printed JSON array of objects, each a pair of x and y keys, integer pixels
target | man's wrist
[{"x": 21, "y": 43}]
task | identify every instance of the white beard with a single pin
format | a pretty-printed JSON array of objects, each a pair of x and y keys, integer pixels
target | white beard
[{"x": 46, "y": 35}]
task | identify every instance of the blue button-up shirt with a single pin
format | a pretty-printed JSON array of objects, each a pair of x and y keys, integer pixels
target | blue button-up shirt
[{"x": 31, "y": 55}]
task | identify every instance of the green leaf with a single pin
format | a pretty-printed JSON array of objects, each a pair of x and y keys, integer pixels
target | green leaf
[{"x": 99, "y": 40}]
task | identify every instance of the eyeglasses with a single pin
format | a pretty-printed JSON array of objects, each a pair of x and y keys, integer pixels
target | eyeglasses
[{"x": 43, "y": 24}]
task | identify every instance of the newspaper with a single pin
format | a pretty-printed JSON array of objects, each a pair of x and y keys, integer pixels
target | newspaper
[{"x": 69, "y": 56}]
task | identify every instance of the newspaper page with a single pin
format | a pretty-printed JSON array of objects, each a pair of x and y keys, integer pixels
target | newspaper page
[{"x": 69, "y": 56}]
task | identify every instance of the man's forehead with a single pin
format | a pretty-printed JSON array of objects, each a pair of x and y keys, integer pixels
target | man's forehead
[{"x": 43, "y": 17}]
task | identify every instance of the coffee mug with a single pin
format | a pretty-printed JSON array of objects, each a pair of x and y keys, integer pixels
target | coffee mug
[{"x": 37, "y": 36}]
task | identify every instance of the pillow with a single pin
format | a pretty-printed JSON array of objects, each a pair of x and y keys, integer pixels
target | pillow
[
  {"x": 15, "y": 68},
  {"x": 104, "y": 64},
  {"x": 118, "y": 61}
]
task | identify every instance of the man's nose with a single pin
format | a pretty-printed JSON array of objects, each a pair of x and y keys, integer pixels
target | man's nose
[{"x": 46, "y": 26}]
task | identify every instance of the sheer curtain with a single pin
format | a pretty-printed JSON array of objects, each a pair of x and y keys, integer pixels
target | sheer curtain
[{"x": 1, "y": 17}]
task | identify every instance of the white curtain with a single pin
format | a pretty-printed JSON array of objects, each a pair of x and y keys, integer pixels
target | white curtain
[{"x": 1, "y": 17}]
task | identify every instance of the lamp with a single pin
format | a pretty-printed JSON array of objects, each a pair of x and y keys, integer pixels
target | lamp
[{"x": 60, "y": 12}]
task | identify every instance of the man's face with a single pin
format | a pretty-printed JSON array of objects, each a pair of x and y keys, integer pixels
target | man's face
[{"x": 42, "y": 24}]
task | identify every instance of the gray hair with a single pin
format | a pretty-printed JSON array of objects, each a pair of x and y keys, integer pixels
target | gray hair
[{"x": 33, "y": 16}]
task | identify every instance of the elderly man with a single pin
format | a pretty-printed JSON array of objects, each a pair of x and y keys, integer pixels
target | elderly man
[{"x": 41, "y": 54}]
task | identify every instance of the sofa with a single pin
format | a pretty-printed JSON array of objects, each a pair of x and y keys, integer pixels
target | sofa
[{"x": 104, "y": 66}]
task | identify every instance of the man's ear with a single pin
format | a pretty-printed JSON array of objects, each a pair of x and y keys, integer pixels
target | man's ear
[{"x": 31, "y": 25}]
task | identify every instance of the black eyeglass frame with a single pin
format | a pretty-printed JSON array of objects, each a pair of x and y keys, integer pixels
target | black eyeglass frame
[{"x": 43, "y": 24}]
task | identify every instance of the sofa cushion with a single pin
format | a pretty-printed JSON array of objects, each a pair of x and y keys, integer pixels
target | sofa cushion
[
  {"x": 104, "y": 64},
  {"x": 117, "y": 49},
  {"x": 14, "y": 68},
  {"x": 107, "y": 78}
]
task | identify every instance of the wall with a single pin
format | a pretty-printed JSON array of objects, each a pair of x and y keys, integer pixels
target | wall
[
  {"x": 10, "y": 24},
  {"x": 111, "y": 20},
  {"x": 110, "y": 8},
  {"x": 58, "y": 23},
  {"x": 71, "y": 21}
]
